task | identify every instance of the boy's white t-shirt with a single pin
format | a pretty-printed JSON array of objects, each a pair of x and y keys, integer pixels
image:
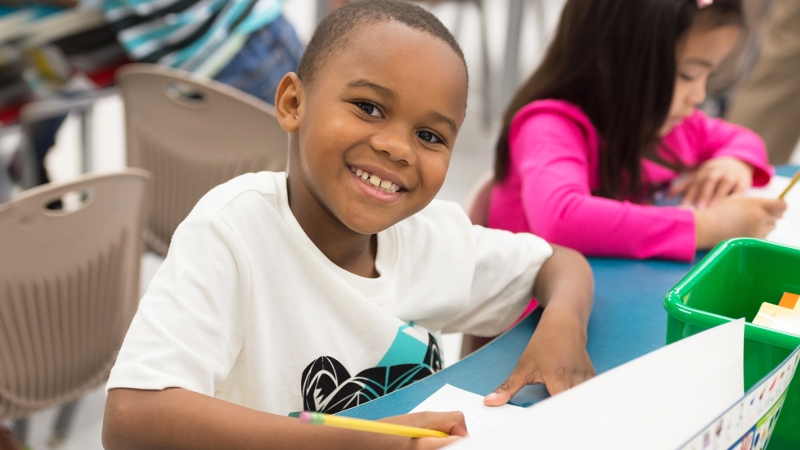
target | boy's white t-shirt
[{"x": 247, "y": 309}]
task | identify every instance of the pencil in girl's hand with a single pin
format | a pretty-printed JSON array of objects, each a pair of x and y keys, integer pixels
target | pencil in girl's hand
[
  {"x": 349, "y": 423},
  {"x": 792, "y": 183}
]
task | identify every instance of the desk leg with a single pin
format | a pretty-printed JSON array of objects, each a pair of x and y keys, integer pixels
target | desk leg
[
  {"x": 511, "y": 63},
  {"x": 322, "y": 11},
  {"x": 541, "y": 24},
  {"x": 61, "y": 428},
  {"x": 30, "y": 171},
  {"x": 486, "y": 70},
  {"x": 20, "y": 430},
  {"x": 5, "y": 180},
  {"x": 85, "y": 116}
]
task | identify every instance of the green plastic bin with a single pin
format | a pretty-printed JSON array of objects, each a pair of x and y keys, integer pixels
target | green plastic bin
[{"x": 731, "y": 282}]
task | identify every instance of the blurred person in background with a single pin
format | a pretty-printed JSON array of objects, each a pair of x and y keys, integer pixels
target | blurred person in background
[
  {"x": 768, "y": 102},
  {"x": 247, "y": 44}
]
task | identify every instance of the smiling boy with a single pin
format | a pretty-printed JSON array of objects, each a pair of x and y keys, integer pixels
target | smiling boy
[{"x": 330, "y": 286}]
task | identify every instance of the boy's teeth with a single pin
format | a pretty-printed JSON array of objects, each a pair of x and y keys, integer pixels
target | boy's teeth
[{"x": 376, "y": 181}]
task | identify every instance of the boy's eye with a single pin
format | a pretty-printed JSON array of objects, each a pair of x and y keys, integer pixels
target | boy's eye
[
  {"x": 370, "y": 109},
  {"x": 429, "y": 137}
]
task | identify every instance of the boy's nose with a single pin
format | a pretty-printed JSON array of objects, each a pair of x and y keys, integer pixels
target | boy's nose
[{"x": 396, "y": 145}]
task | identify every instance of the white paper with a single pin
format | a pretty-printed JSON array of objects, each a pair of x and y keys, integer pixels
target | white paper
[
  {"x": 658, "y": 401},
  {"x": 787, "y": 230},
  {"x": 478, "y": 417},
  {"x": 752, "y": 419}
]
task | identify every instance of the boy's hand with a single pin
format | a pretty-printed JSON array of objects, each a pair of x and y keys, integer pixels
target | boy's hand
[
  {"x": 451, "y": 423},
  {"x": 556, "y": 356},
  {"x": 714, "y": 180}
]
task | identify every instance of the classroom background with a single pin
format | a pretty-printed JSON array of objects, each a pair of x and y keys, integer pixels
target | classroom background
[{"x": 507, "y": 64}]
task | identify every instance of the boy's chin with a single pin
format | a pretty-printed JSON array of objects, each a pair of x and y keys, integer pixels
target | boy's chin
[
  {"x": 364, "y": 225},
  {"x": 368, "y": 219},
  {"x": 371, "y": 222}
]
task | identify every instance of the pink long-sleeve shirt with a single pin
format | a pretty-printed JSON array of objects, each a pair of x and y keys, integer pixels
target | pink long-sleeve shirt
[{"x": 554, "y": 170}]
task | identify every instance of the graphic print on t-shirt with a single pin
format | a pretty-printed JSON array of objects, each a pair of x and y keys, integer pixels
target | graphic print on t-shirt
[{"x": 328, "y": 387}]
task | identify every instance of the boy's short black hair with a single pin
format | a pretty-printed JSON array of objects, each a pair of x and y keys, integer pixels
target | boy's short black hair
[{"x": 333, "y": 32}]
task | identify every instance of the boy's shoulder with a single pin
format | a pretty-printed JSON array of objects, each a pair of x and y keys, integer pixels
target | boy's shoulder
[
  {"x": 238, "y": 192},
  {"x": 441, "y": 223}
]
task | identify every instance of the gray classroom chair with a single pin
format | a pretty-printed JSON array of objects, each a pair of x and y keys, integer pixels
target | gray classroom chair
[
  {"x": 193, "y": 134},
  {"x": 69, "y": 287}
]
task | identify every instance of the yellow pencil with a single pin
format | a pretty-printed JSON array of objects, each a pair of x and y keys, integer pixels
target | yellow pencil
[
  {"x": 792, "y": 183},
  {"x": 368, "y": 425}
]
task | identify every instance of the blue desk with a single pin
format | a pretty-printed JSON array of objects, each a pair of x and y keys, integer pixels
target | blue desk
[{"x": 628, "y": 320}]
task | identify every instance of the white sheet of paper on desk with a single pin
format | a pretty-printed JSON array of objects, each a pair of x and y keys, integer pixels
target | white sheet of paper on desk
[
  {"x": 478, "y": 417},
  {"x": 787, "y": 230},
  {"x": 658, "y": 401}
]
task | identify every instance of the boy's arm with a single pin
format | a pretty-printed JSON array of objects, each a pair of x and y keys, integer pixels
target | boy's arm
[
  {"x": 181, "y": 419},
  {"x": 556, "y": 354}
]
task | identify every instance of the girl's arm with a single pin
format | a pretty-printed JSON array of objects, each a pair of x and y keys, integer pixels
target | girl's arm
[
  {"x": 556, "y": 354},
  {"x": 717, "y": 138},
  {"x": 182, "y": 419},
  {"x": 728, "y": 160},
  {"x": 551, "y": 155}
]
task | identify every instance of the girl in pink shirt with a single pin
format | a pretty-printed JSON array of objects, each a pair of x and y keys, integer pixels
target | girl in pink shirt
[{"x": 609, "y": 121}]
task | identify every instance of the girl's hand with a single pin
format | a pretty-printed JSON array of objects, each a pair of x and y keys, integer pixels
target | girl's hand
[
  {"x": 555, "y": 356},
  {"x": 451, "y": 423},
  {"x": 737, "y": 217},
  {"x": 714, "y": 180}
]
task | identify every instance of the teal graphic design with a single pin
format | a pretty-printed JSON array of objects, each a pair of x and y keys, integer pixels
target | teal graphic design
[
  {"x": 405, "y": 348},
  {"x": 326, "y": 385}
]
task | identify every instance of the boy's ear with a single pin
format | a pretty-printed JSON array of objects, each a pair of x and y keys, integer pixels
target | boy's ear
[{"x": 289, "y": 99}]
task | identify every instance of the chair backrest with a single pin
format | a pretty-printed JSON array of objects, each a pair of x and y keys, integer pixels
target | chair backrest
[
  {"x": 193, "y": 134},
  {"x": 479, "y": 199},
  {"x": 69, "y": 286}
]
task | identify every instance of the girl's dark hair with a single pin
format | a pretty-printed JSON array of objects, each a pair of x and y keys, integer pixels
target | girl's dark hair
[{"x": 615, "y": 59}]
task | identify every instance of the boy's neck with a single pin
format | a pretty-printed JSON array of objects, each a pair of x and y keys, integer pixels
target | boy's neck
[{"x": 352, "y": 251}]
